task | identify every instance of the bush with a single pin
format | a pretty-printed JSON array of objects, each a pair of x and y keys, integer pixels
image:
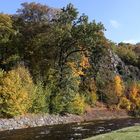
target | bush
[
  {"x": 89, "y": 90},
  {"x": 136, "y": 112},
  {"x": 111, "y": 97},
  {"x": 91, "y": 98},
  {"x": 136, "y": 107},
  {"x": 132, "y": 102},
  {"x": 134, "y": 96},
  {"x": 77, "y": 105},
  {"x": 118, "y": 86},
  {"x": 114, "y": 90},
  {"x": 134, "y": 91},
  {"x": 40, "y": 99},
  {"x": 56, "y": 104},
  {"x": 125, "y": 103},
  {"x": 16, "y": 88}
]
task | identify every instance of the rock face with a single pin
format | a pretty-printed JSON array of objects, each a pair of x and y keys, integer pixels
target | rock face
[
  {"x": 107, "y": 63},
  {"x": 119, "y": 67}
]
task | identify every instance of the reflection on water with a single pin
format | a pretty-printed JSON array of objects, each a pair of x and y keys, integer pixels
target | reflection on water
[{"x": 68, "y": 131}]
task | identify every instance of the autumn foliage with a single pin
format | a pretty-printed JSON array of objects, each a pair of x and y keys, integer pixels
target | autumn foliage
[
  {"x": 55, "y": 61},
  {"x": 16, "y": 88},
  {"x": 131, "y": 101},
  {"x": 118, "y": 86}
]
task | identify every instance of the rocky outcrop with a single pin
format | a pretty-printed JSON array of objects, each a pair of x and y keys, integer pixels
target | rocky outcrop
[{"x": 119, "y": 67}]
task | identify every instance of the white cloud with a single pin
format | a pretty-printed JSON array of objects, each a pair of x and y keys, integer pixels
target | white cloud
[
  {"x": 131, "y": 41},
  {"x": 114, "y": 24}
]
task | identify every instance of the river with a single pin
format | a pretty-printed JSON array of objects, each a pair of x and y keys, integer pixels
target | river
[{"x": 69, "y": 131}]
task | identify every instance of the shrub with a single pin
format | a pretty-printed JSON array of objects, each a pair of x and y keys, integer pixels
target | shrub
[
  {"x": 114, "y": 90},
  {"x": 133, "y": 92},
  {"x": 16, "y": 87},
  {"x": 93, "y": 93},
  {"x": 125, "y": 103},
  {"x": 91, "y": 98},
  {"x": 56, "y": 104},
  {"x": 89, "y": 90},
  {"x": 118, "y": 86},
  {"x": 134, "y": 96},
  {"x": 132, "y": 102},
  {"x": 40, "y": 99},
  {"x": 136, "y": 112},
  {"x": 77, "y": 105},
  {"x": 136, "y": 107},
  {"x": 111, "y": 97}
]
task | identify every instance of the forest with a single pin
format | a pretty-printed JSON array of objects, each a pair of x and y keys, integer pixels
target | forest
[{"x": 57, "y": 61}]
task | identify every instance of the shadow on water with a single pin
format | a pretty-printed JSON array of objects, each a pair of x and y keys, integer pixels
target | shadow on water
[{"x": 68, "y": 131}]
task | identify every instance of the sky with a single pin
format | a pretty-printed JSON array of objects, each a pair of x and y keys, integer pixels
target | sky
[{"x": 121, "y": 18}]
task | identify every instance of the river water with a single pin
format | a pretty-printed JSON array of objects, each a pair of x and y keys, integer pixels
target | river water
[{"x": 69, "y": 131}]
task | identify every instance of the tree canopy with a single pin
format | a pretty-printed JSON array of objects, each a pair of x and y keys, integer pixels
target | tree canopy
[{"x": 68, "y": 59}]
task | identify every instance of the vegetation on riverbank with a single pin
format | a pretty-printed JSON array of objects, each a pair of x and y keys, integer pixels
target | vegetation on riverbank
[
  {"x": 55, "y": 61},
  {"x": 130, "y": 133}
]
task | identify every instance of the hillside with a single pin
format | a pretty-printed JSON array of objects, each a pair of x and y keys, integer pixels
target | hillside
[{"x": 56, "y": 61}]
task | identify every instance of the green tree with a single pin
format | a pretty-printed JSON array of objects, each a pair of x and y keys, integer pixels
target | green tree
[{"x": 8, "y": 53}]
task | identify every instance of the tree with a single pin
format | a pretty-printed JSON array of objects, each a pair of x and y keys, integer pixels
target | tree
[
  {"x": 8, "y": 52},
  {"x": 74, "y": 35},
  {"x": 33, "y": 23},
  {"x": 127, "y": 54},
  {"x": 118, "y": 86},
  {"x": 36, "y": 13},
  {"x": 6, "y": 28},
  {"x": 16, "y": 90},
  {"x": 62, "y": 38}
]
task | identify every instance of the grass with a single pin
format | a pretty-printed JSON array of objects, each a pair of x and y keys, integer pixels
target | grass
[{"x": 129, "y": 133}]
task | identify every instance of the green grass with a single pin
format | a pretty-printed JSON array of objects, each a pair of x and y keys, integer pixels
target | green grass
[{"x": 129, "y": 133}]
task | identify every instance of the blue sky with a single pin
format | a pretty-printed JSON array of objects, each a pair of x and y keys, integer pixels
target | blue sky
[{"x": 121, "y": 18}]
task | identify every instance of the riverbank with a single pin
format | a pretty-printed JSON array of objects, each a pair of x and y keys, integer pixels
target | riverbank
[
  {"x": 35, "y": 120},
  {"x": 130, "y": 133}
]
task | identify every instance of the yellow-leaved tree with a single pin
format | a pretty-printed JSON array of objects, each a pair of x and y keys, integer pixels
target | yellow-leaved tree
[
  {"x": 132, "y": 101},
  {"x": 119, "y": 89},
  {"x": 115, "y": 90},
  {"x": 118, "y": 86},
  {"x": 133, "y": 92},
  {"x": 134, "y": 95},
  {"x": 77, "y": 105},
  {"x": 16, "y": 87}
]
